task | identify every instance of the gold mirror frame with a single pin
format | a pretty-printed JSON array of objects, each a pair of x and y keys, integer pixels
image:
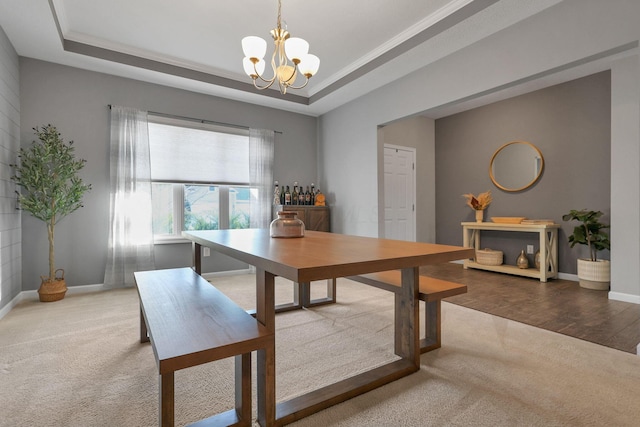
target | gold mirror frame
[{"x": 539, "y": 167}]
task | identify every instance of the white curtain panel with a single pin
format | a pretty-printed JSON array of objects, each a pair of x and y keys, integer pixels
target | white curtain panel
[
  {"x": 130, "y": 232},
  {"x": 261, "y": 147}
]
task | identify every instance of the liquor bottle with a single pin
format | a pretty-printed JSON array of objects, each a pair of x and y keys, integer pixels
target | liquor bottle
[
  {"x": 287, "y": 196},
  {"x": 313, "y": 194},
  {"x": 307, "y": 197},
  {"x": 301, "y": 196},
  {"x": 320, "y": 198},
  {"x": 282, "y": 195},
  {"x": 294, "y": 194},
  {"x": 276, "y": 194}
]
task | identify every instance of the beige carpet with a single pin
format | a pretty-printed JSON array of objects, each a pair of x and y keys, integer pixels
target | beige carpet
[{"x": 78, "y": 362}]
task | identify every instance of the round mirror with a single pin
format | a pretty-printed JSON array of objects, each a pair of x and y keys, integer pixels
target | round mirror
[{"x": 516, "y": 166}]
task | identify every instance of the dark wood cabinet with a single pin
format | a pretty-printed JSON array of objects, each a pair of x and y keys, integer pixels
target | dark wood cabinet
[{"x": 315, "y": 218}]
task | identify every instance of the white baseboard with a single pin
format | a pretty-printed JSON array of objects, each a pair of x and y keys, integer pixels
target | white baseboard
[
  {"x": 7, "y": 308},
  {"x": 33, "y": 296},
  {"x": 618, "y": 296},
  {"x": 567, "y": 276},
  {"x": 226, "y": 273}
]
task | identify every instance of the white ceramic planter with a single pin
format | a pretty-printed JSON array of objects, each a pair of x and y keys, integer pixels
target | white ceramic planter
[{"x": 594, "y": 274}]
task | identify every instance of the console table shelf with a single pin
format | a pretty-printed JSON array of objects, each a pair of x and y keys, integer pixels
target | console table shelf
[{"x": 548, "y": 248}]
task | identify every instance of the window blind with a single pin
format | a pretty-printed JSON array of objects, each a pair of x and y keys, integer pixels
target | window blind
[{"x": 192, "y": 152}]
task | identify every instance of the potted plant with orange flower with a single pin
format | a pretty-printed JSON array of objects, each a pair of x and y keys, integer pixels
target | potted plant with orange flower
[{"x": 479, "y": 204}]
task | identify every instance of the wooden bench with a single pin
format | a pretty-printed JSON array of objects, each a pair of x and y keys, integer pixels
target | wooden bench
[
  {"x": 432, "y": 291},
  {"x": 189, "y": 322}
]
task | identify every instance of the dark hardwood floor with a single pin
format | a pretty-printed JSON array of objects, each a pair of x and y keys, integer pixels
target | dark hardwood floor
[{"x": 559, "y": 305}]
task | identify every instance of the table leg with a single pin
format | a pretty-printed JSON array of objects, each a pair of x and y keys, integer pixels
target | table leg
[
  {"x": 266, "y": 358},
  {"x": 552, "y": 253},
  {"x": 544, "y": 256},
  {"x": 166, "y": 415},
  {"x": 197, "y": 257},
  {"x": 306, "y": 294},
  {"x": 144, "y": 334},
  {"x": 470, "y": 239},
  {"x": 407, "y": 317}
]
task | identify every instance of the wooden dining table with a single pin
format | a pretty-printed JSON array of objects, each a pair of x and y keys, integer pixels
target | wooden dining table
[{"x": 318, "y": 256}]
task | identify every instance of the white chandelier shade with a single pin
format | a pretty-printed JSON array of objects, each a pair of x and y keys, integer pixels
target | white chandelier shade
[
  {"x": 309, "y": 65},
  {"x": 290, "y": 59},
  {"x": 254, "y": 47},
  {"x": 295, "y": 48}
]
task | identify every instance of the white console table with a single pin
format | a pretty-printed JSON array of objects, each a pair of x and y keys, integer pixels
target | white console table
[{"x": 548, "y": 247}]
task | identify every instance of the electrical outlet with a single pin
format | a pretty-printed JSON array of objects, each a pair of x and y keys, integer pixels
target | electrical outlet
[
  {"x": 206, "y": 251},
  {"x": 530, "y": 249}
]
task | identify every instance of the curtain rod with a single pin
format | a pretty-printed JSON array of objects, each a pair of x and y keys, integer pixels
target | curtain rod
[{"x": 192, "y": 119}]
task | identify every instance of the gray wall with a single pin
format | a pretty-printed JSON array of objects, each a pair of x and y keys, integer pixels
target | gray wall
[
  {"x": 10, "y": 233},
  {"x": 625, "y": 178},
  {"x": 76, "y": 102},
  {"x": 570, "y": 124}
]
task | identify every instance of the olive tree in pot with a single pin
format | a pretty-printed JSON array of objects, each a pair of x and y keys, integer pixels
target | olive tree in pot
[
  {"x": 593, "y": 273},
  {"x": 47, "y": 173}
]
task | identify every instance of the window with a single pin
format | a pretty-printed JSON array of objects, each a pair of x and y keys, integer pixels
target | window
[{"x": 200, "y": 177}]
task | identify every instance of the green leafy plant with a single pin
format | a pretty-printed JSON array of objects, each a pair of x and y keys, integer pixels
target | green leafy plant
[
  {"x": 47, "y": 172},
  {"x": 589, "y": 232}
]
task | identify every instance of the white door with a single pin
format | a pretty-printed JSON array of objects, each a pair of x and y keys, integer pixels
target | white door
[{"x": 399, "y": 193}]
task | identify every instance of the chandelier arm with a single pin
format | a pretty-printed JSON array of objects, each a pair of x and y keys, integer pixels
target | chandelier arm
[
  {"x": 270, "y": 83},
  {"x": 306, "y": 82}
]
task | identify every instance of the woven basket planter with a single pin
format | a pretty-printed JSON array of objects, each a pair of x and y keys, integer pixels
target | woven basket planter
[
  {"x": 594, "y": 274},
  {"x": 52, "y": 290},
  {"x": 489, "y": 257}
]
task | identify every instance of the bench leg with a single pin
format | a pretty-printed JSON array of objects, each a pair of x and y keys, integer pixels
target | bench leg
[
  {"x": 306, "y": 294},
  {"x": 166, "y": 404},
  {"x": 144, "y": 335},
  {"x": 243, "y": 389},
  {"x": 432, "y": 323}
]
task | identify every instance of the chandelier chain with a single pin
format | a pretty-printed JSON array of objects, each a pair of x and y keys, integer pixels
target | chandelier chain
[{"x": 279, "y": 14}]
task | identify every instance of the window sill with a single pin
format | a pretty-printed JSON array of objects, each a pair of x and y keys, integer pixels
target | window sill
[{"x": 170, "y": 240}]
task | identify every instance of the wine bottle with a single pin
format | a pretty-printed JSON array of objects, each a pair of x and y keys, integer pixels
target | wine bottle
[
  {"x": 307, "y": 197},
  {"x": 313, "y": 194},
  {"x": 287, "y": 196},
  {"x": 294, "y": 194}
]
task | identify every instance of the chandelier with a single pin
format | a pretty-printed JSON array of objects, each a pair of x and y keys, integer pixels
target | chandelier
[{"x": 290, "y": 59}]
